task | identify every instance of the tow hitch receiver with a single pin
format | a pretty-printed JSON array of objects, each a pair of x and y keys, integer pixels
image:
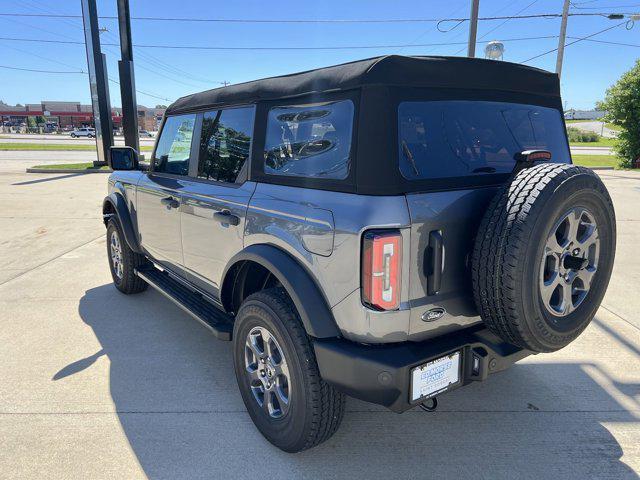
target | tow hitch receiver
[{"x": 429, "y": 405}]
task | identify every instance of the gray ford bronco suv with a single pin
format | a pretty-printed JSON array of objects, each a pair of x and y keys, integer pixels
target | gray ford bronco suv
[{"x": 389, "y": 229}]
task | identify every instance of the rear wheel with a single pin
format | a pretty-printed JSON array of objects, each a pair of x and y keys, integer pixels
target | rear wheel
[
  {"x": 543, "y": 256},
  {"x": 278, "y": 375}
]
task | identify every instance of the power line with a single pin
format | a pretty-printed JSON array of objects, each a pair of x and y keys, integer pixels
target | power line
[
  {"x": 621, "y": 44},
  {"x": 144, "y": 57},
  {"x": 431, "y": 29},
  {"x": 256, "y": 48},
  {"x": 330, "y": 21},
  {"x": 42, "y": 57},
  {"x": 39, "y": 71},
  {"x": 502, "y": 23},
  {"x": 37, "y": 7},
  {"x": 141, "y": 91},
  {"x": 575, "y": 41},
  {"x": 577, "y": 5}
]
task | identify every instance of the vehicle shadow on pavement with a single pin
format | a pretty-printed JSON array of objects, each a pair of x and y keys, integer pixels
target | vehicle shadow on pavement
[{"x": 175, "y": 394}]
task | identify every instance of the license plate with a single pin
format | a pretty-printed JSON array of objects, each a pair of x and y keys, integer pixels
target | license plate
[{"x": 435, "y": 376}]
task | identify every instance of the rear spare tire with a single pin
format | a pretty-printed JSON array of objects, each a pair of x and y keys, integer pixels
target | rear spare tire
[{"x": 543, "y": 256}]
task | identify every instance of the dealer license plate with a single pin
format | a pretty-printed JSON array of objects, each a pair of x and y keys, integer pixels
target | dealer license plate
[{"x": 435, "y": 376}]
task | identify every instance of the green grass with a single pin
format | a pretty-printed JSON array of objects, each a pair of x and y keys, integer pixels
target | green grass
[
  {"x": 579, "y": 121},
  {"x": 595, "y": 160},
  {"x": 603, "y": 142},
  {"x": 611, "y": 126},
  {"x": 71, "y": 166},
  {"x": 42, "y": 147}
]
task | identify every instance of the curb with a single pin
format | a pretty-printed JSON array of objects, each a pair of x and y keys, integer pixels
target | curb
[{"x": 62, "y": 170}]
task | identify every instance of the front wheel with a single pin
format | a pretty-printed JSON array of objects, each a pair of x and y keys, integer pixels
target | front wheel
[
  {"x": 278, "y": 375},
  {"x": 123, "y": 261}
]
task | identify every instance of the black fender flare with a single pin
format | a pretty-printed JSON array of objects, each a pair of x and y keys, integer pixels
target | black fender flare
[
  {"x": 119, "y": 206},
  {"x": 311, "y": 304}
]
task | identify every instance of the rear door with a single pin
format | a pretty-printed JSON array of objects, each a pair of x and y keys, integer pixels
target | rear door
[
  {"x": 159, "y": 194},
  {"x": 216, "y": 195},
  {"x": 462, "y": 145}
]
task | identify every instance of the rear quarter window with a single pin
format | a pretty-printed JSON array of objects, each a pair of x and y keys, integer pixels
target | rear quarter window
[
  {"x": 311, "y": 140},
  {"x": 441, "y": 139}
]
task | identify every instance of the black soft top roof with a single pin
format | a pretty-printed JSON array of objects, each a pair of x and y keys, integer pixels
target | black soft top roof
[{"x": 392, "y": 70}]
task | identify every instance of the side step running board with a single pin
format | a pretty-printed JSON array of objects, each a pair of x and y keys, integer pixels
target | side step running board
[{"x": 219, "y": 322}]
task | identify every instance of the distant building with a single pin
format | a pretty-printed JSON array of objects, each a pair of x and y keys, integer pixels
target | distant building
[
  {"x": 67, "y": 115},
  {"x": 584, "y": 114}
]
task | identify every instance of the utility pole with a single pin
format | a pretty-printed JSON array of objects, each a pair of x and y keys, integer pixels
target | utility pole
[
  {"x": 473, "y": 28},
  {"x": 98, "y": 82},
  {"x": 127, "y": 79},
  {"x": 563, "y": 37}
]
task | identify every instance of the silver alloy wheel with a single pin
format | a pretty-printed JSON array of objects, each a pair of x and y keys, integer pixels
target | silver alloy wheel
[
  {"x": 116, "y": 253},
  {"x": 268, "y": 372},
  {"x": 569, "y": 262}
]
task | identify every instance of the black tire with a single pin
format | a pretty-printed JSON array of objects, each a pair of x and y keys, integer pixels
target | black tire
[
  {"x": 73, "y": 135},
  {"x": 128, "y": 282},
  {"x": 507, "y": 264},
  {"x": 316, "y": 409}
]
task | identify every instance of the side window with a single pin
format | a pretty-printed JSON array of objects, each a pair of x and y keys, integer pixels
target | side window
[
  {"x": 225, "y": 144},
  {"x": 310, "y": 140},
  {"x": 174, "y": 146}
]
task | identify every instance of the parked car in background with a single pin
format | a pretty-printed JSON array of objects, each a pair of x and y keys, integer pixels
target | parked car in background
[
  {"x": 390, "y": 229},
  {"x": 145, "y": 133},
  {"x": 83, "y": 132}
]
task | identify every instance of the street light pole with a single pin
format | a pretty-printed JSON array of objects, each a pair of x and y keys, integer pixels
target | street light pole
[
  {"x": 563, "y": 37},
  {"x": 473, "y": 28}
]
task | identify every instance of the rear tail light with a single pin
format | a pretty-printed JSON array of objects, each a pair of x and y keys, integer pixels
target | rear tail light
[{"x": 382, "y": 269}]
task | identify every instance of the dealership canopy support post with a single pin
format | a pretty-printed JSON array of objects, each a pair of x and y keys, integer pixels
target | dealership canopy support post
[
  {"x": 127, "y": 78},
  {"x": 98, "y": 82}
]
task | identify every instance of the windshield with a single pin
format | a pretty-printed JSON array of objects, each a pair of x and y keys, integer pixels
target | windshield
[{"x": 442, "y": 139}]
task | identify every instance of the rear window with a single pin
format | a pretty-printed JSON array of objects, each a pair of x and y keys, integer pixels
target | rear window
[
  {"x": 439, "y": 139},
  {"x": 310, "y": 140}
]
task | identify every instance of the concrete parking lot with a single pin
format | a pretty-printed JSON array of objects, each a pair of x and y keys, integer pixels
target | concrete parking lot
[{"x": 96, "y": 384}]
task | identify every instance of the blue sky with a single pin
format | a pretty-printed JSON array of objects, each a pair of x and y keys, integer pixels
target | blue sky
[{"x": 589, "y": 67}]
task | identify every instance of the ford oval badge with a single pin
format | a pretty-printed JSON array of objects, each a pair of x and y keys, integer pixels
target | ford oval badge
[{"x": 433, "y": 314}]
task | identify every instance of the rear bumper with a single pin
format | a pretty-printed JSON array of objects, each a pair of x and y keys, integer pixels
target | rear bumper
[{"x": 381, "y": 374}]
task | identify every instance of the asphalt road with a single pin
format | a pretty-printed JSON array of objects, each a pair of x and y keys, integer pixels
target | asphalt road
[{"x": 98, "y": 385}]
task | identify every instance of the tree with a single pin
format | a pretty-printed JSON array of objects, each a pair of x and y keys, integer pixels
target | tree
[
  {"x": 622, "y": 104},
  {"x": 161, "y": 106}
]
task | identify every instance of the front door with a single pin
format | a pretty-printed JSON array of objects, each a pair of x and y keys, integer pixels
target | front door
[
  {"x": 215, "y": 200},
  {"x": 159, "y": 193}
]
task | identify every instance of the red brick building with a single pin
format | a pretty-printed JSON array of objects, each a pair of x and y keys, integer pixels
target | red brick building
[{"x": 68, "y": 115}]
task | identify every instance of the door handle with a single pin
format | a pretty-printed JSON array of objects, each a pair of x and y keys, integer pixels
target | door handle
[
  {"x": 225, "y": 216},
  {"x": 435, "y": 262},
  {"x": 170, "y": 202}
]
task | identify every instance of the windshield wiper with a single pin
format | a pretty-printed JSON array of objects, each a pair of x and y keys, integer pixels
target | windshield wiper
[{"x": 409, "y": 156}]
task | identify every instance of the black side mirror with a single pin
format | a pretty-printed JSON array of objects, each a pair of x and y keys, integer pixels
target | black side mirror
[{"x": 123, "y": 158}]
